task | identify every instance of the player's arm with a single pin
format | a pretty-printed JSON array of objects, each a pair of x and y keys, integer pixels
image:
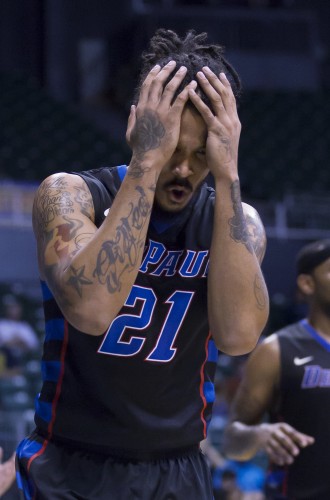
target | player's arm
[
  {"x": 246, "y": 433},
  {"x": 237, "y": 295},
  {"x": 92, "y": 270}
]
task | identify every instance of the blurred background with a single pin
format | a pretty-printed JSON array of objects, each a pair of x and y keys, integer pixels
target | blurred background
[{"x": 68, "y": 71}]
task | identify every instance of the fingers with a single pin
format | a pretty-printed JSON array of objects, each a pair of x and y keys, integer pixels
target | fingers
[
  {"x": 154, "y": 90},
  {"x": 285, "y": 443},
  {"x": 130, "y": 124},
  {"x": 183, "y": 97},
  {"x": 219, "y": 91}
]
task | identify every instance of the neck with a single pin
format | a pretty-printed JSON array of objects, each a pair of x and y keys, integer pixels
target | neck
[{"x": 320, "y": 321}]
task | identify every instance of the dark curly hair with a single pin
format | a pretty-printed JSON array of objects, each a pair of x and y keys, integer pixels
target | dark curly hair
[{"x": 191, "y": 51}]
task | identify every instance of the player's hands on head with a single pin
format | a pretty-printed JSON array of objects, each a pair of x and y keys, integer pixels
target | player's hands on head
[
  {"x": 222, "y": 122},
  {"x": 154, "y": 123},
  {"x": 283, "y": 443}
]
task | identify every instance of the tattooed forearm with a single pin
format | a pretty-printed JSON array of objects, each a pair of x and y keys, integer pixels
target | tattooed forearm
[
  {"x": 238, "y": 226},
  {"x": 260, "y": 292},
  {"x": 120, "y": 254},
  {"x": 136, "y": 169}
]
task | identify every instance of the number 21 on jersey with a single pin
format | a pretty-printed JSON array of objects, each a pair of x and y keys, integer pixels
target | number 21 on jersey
[{"x": 164, "y": 349}]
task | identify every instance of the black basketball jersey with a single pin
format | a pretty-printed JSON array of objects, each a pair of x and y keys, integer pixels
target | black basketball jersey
[
  {"x": 145, "y": 385},
  {"x": 305, "y": 404}
]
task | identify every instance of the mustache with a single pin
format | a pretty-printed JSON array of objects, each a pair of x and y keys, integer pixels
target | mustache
[{"x": 179, "y": 182}]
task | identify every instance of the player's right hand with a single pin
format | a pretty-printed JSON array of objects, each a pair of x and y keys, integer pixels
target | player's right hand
[
  {"x": 154, "y": 123},
  {"x": 283, "y": 443}
]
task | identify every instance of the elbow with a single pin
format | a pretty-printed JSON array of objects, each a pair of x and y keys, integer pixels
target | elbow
[
  {"x": 87, "y": 318},
  {"x": 238, "y": 335},
  {"x": 236, "y": 342}
]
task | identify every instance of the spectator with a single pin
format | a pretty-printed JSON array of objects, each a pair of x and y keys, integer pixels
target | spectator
[{"x": 17, "y": 337}]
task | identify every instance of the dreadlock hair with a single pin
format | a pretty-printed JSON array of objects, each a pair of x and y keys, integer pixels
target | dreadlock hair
[{"x": 191, "y": 51}]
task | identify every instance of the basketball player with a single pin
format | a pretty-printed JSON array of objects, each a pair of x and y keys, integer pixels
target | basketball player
[
  {"x": 288, "y": 376},
  {"x": 146, "y": 272}
]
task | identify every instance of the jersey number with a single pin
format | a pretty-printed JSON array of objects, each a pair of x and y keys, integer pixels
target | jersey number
[{"x": 163, "y": 351}]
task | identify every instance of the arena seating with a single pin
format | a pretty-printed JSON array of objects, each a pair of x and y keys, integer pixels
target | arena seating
[{"x": 284, "y": 142}]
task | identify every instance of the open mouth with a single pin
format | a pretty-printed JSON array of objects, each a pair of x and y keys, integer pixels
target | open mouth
[{"x": 178, "y": 193}]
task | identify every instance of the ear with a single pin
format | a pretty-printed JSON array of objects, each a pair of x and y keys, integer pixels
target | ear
[{"x": 306, "y": 284}]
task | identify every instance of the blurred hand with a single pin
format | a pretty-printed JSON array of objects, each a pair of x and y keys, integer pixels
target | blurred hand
[
  {"x": 7, "y": 472},
  {"x": 282, "y": 442}
]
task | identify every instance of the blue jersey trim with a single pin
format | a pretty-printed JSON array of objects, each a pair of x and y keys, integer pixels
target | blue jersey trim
[
  {"x": 122, "y": 169},
  {"x": 44, "y": 410},
  {"x": 209, "y": 392},
  {"x": 315, "y": 335},
  {"x": 46, "y": 293},
  {"x": 54, "y": 329},
  {"x": 28, "y": 448},
  {"x": 50, "y": 371},
  {"x": 213, "y": 352}
]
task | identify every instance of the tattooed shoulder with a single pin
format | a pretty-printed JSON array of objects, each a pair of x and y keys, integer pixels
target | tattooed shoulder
[{"x": 60, "y": 195}]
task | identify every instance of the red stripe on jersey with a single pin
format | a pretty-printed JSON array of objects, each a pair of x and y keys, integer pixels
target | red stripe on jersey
[
  {"x": 57, "y": 395},
  {"x": 60, "y": 378},
  {"x": 201, "y": 385}
]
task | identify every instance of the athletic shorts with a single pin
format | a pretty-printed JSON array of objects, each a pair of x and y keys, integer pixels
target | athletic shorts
[{"x": 49, "y": 471}]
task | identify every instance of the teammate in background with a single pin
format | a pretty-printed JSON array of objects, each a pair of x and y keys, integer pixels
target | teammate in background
[
  {"x": 288, "y": 377},
  {"x": 138, "y": 265}
]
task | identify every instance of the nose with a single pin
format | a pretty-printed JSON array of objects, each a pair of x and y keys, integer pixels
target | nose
[{"x": 182, "y": 169}]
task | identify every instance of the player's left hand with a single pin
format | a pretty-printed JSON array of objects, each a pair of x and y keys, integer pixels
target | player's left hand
[{"x": 222, "y": 122}]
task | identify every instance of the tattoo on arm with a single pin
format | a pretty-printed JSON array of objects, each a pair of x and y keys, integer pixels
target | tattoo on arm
[
  {"x": 120, "y": 254},
  {"x": 84, "y": 199},
  {"x": 147, "y": 133},
  {"x": 78, "y": 279},
  {"x": 257, "y": 235},
  {"x": 238, "y": 226},
  {"x": 259, "y": 292},
  {"x": 52, "y": 199}
]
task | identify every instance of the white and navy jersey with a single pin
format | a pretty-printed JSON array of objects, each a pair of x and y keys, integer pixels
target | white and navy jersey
[
  {"x": 146, "y": 385},
  {"x": 305, "y": 404}
]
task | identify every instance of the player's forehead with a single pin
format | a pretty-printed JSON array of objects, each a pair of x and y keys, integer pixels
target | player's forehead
[{"x": 193, "y": 127}]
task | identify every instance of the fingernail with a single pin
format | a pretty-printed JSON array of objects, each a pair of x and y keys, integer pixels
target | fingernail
[
  {"x": 171, "y": 63},
  {"x": 201, "y": 75},
  {"x": 182, "y": 69}
]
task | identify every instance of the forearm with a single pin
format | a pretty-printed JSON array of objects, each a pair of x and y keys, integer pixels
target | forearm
[
  {"x": 237, "y": 294},
  {"x": 241, "y": 441}
]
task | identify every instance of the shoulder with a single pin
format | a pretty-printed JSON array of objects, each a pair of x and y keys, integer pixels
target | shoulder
[
  {"x": 58, "y": 183},
  {"x": 60, "y": 194},
  {"x": 266, "y": 356}
]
